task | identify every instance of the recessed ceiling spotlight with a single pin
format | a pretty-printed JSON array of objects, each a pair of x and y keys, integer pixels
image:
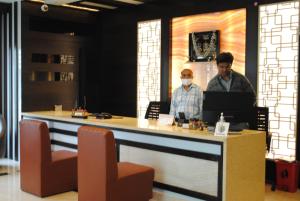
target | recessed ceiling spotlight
[
  {"x": 87, "y": 3},
  {"x": 131, "y": 2},
  {"x": 38, "y": 1},
  {"x": 80, "y": 7}
]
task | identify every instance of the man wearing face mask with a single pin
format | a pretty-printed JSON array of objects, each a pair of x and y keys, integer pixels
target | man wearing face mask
[
  {"x": 227, "y": 79},
  {"x": 187, "y": 98}
]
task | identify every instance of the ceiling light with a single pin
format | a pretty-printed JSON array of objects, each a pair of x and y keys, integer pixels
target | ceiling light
[
  {"x": 131, "y": 2},
  {"x": 87, "y": 3},
  {"x": 54, "y": 2},
  {"x": 69, "y": 6},
  {"x": 39, "y": 1},
  {"x": 80, "y": 7},
  {"x": 59, "y": 2}
]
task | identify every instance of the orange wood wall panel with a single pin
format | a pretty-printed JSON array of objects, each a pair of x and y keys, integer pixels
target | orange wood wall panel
[{"x": 232, "y": 27}]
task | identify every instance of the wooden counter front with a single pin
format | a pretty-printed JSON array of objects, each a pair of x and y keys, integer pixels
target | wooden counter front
[{"x": 189, "y": 164}]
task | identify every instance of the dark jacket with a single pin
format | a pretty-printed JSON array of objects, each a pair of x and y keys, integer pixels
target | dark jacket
[{"x": 239, "y": 83}]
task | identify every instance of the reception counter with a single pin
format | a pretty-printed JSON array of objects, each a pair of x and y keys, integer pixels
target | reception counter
[{"x": 189, "y": 164}]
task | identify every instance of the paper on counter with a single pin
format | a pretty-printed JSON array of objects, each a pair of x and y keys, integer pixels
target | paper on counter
[{"x": 165, "y": 119}]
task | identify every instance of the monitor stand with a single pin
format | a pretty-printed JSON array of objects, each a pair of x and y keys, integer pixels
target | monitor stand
[{"x": 238, "y": 126}]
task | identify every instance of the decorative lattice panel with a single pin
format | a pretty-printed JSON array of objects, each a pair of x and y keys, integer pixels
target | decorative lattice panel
[
  {"x": 278, "y": 74},
  {"x": 149, "y": 64}
]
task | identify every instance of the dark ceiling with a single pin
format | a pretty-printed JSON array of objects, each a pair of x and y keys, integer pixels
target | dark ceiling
[
  {"x": 113, "y": 3},
  {"x": 103, "y": 5},
  {"x": 117, "y": 4}
]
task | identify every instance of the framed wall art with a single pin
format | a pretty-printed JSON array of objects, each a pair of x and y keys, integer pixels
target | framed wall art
[{"x": 204, "y": 46}]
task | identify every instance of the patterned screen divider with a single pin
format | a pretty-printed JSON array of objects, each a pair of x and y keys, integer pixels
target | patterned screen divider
[
  {"x": 278, "y": 74},
  {"x": 149, "y": 64}
]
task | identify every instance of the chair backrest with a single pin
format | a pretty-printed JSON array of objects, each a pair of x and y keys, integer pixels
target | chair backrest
[
  {"x": 2, "y": 136},
  {"x": 97, "y": 163},
  {"x": 261, "y": 123},
  {"x": 2, "y": 126},
  {"x": 35, "y": 154},
  {"x": 35, "y": 145},
  {"x": 155, "y": 108},
  {"x": 262, "y": 118}
]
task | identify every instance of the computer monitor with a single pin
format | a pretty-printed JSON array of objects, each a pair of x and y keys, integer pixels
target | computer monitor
[{"x": 237, "y": 107}]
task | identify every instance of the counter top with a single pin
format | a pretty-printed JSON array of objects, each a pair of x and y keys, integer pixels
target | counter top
[{"x": 135, "y": 124}]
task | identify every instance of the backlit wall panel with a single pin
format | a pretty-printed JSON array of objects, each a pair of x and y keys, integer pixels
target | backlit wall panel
[
  {"x": 278, "y": 74},
  {"x": 232, "y": 26},
  {"x": 149, "y": 63}
]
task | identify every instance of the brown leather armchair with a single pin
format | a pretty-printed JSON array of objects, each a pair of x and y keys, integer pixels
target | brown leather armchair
[
  {"x": 43, "y": 172},
  {"x": 2, "y": 136},
  {"x": 101, "y": 178}
]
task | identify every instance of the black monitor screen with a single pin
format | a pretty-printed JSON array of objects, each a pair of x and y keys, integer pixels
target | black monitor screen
[{"x": 236, "y": 106}]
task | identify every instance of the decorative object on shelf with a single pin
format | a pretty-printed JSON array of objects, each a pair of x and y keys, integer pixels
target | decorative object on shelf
[
  {"x": 67, "y": 59},
  {"x": 53, "y": 58},
  {"x": 204, "y": 46},
  {"x": 58, "y": 108},
  {"x": 66, "y": 76},
  {"x": 48, "y": 76}
]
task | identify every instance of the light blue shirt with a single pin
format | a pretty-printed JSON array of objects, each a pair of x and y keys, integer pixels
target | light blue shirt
[
  {"x": 226, "y": 83},
  {"x": 189, "y": 102}
]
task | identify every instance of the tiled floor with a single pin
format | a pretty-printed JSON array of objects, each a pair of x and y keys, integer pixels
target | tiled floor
[
  {"x": 10, "y": 189},
  {"x": 281, "y": 195}
]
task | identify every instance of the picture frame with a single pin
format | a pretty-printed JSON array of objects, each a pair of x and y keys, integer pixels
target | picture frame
[{"x": 204, "y": 46}]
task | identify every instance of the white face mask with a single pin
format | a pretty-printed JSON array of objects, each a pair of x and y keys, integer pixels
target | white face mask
[{"x": 186, "y": 82}]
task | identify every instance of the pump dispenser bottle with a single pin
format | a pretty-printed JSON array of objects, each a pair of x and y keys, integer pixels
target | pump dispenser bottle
[{"x": 221, "y": 127}]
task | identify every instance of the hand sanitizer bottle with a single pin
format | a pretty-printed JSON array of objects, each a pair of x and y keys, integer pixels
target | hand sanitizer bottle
[{"x": 221, "y": 127}]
